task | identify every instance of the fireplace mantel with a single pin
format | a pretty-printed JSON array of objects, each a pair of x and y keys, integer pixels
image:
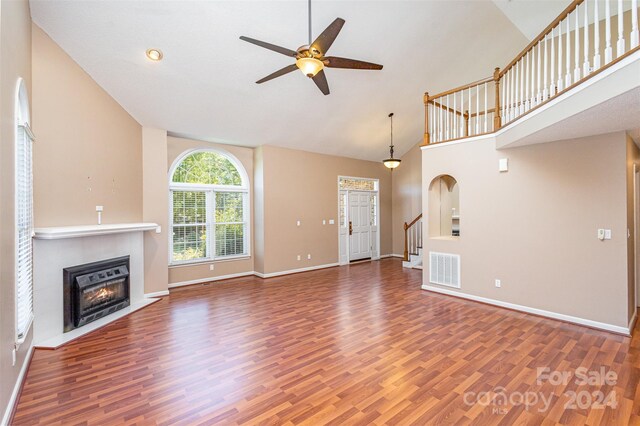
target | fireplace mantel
[
  {"x": 55, "y": 249},
  {"x": 60, "y": 232}
]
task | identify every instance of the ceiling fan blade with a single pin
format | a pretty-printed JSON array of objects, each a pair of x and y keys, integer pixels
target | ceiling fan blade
[
  {"x": 326, "y": 39},
  {"x": 283, "y": 71},
  {"x": 320, "y": 80},
  {"x": 334, "y": 62},
  {"x": 282, "y": 50}
]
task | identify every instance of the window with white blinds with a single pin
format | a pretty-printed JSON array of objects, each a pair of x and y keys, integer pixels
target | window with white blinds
[
  {"x": 24, "y": 230},
  {"x": 209, "y": 208}
]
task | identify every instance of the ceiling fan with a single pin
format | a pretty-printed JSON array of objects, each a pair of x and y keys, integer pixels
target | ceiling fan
[{"x": 311, "y": 59}]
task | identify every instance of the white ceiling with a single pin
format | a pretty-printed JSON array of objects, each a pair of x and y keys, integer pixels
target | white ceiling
[
  {"x": 204, "y": 88},
  {"x": 531, "y": 17}
]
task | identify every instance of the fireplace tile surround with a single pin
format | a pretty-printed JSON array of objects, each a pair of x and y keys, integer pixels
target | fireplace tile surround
[{"x": 55, "y": 249}]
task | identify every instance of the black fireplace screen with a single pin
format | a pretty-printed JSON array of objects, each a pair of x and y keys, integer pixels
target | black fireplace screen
[{"x": 94, "y": 290}]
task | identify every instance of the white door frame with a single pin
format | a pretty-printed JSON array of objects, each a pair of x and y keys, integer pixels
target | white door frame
[
  {"x": 341, "y": 261},
  {"x": 636, "y": 211}
]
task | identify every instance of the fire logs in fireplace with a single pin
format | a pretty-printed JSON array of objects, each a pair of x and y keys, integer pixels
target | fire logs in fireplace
[{"x": 94, "y": 290}]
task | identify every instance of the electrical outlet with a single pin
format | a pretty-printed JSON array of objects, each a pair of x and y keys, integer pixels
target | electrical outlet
[
  {"x": 298, "y": 257},
  {"x": 211, "y": 267},
  {"x": 309, "y": 256},
  {"x": 601, "y": 234},
  {"x": 498, "y": 283}
]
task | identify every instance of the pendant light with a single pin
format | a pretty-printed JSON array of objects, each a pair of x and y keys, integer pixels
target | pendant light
[{"x": 391, "y": 162}]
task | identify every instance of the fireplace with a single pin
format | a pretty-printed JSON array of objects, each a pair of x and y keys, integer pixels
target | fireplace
[{"x": 94, "y": 290}]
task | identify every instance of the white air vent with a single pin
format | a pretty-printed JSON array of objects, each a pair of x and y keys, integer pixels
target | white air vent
[{"x": 444, "y": 269}]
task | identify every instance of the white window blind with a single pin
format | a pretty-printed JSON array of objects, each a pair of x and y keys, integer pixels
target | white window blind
[
  {"x": 189, "y": 225},
  {"x": 209, "y": 208},
  {"x": 24, "y": 232},
  {"x": 230, "y": 224}
]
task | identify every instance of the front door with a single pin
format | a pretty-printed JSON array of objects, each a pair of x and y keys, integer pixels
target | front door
[{"x": 359, "y": 225}]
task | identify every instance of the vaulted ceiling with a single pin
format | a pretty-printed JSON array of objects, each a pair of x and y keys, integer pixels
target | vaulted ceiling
[{"x": 205, "y": 86}]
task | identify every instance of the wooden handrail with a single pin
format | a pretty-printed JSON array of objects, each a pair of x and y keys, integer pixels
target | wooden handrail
[
  {"x": 509, "y": 107},
  {"x": 574, "y": 4},
  {"x": 406, "y": 239},
  {"x": 577, "y": 83},
  {"x": 475, "y": 114},
  {"x": 413, "y": 222},
  {"x": 446, "y": 108},
  {"x": 466, "y": 86}
]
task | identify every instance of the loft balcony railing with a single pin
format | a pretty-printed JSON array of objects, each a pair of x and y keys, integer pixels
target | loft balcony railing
[{"x": 585, "y": 39}]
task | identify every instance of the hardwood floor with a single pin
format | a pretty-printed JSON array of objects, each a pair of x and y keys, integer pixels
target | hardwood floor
[{"x": 360, "y": 344}]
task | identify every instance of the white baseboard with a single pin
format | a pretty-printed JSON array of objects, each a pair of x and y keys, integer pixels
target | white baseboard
[
  {"x": 553, "y": 315},
  {"x": 257, "y": 274},
  {"x": 211, "y": 279},
  {"x": 295, "y": 271},
  {"x": 16, "y": 388},
  {"x": 401, "y": 256},
  {"x": 156, "y": 294}
]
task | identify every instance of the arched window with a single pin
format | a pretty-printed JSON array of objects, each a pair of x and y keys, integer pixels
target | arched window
[
  {"x": 209, "y": 193},
  {"x": 444, "y": 207},
  {"x": 23, "y": 214}
]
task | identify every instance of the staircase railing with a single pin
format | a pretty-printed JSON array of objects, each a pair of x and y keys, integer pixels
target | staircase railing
[
  {"x": 412, "y": 236},
  {"x": 577, "y": 45}
]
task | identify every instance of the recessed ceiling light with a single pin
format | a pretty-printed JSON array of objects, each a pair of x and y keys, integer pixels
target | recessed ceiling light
[{"x": 154, "y": 54}]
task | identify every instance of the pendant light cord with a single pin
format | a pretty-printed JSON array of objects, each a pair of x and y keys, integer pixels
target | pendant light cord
[{"x": 391, "y": 146}]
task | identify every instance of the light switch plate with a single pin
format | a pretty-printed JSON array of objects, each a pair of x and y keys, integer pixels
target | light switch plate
[
  {"x": 601, "y": 234},
  {"x": 607, "y": 234},
  {"x": 331, "y": 222},
  {"x": 498, "y": 283},
  {"x": 297, "y": 223},
  {"x": 324, "y": 222},
  {"x": 503, "y": 165}
]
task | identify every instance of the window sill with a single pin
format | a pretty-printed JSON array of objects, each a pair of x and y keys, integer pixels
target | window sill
[{"x": 210, "y": 261}]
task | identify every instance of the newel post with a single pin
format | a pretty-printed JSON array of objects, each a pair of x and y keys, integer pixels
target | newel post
[
  {"x": 466, "y": 122},
  {"x": 496, "y": 115},
  {"x": 406, "y": 244},
  {"x": 427, "y": 139}
]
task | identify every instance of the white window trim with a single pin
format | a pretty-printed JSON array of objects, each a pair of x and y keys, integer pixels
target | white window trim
[
  {"x": 210, "y": 191},
  {"x": 22, "y": 119}
]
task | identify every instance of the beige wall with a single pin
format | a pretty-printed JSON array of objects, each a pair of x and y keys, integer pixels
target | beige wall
[
  {"x": 155, "y": 209},
  {"x": 187, "y": 273},
  {"x": 88, "y": 150},
  {"x": 535, "y": 227},
  {"x": 633, "y": 158},
  {"x": 406, "y": 195},
  {"x": 258, "y": 208},
  {"x": 303, "y": 186},
  {"x": 15, "y": 62}
]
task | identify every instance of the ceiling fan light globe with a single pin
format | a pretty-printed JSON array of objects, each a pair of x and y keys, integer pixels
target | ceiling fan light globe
[
  {"x": 309, "y": 66},
  {"x": 391, "y": 163}
]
